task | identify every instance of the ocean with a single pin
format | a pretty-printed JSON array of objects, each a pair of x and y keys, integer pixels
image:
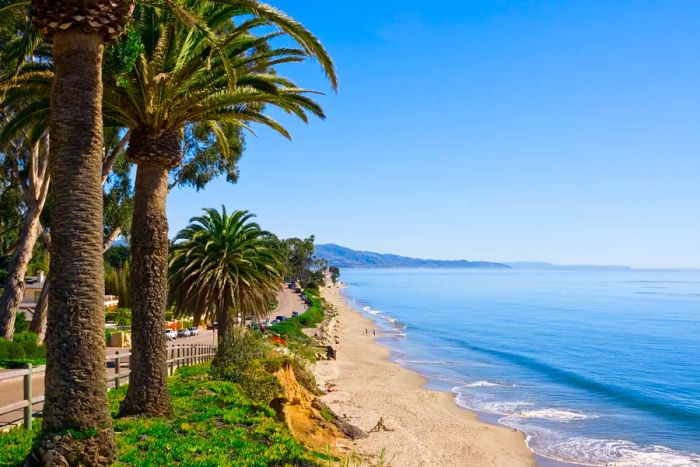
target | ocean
[{"x": 595, "y": 367}]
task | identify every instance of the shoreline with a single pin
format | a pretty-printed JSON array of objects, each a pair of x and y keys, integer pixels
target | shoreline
[{"x": 427, "y": 427}]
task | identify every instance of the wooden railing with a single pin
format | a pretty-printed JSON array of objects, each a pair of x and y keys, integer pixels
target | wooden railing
[{"x": 177, "y": 356}]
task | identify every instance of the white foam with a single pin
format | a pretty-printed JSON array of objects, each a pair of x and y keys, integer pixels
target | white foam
[
  {"x": 487, "y": 384},
  {"x": 558, "y": 415},
  {"x": 502, "y": 407},
  {"x": 423, "y": 362},
  {"x": 600, "y": 452},
  {"x": 371, "y": 310}
]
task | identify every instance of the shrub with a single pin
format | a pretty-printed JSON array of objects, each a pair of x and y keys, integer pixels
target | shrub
[
  {"x": 292, "y": 328},
  {"x": 17, "y": 353},
  {"x": 240, "y": 360},
  {"x": 21, "y": 324},
  {"x": 26, "y": 336}
]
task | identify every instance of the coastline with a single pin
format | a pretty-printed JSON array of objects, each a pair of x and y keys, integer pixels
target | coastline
[{"x": 428, "y": 428}]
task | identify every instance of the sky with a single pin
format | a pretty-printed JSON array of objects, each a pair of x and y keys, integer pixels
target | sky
[{"x": 560, "y": 131}]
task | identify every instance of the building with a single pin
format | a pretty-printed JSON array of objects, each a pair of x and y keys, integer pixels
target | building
[{"x": 32, "y": 291}]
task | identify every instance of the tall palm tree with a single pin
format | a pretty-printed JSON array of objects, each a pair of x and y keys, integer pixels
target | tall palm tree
[
  {"x": 217, "y": 75},
  {"x": 76, "y": 397},
  {"x": 223, "y": 266}
]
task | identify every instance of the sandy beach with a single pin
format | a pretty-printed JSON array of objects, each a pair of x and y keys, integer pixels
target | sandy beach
[{"x": 428, "y": 428}]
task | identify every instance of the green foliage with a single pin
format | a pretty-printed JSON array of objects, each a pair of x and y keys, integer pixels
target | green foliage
[
  {"x": 16, "y": 353},
  {"x": 240, "y": 359},
  {"x": 40, "y": 259},
  {"x": 24, "y": 336},
  {"x": 117, "y": 256},
  {"x": 222, "y": 264},
  {"x": 123, "y": 317},
  {"x": 292, "y": 327},
  {"x": 117, "y": 283},
  {"x": 326, "y": 413},
  {"x": 21, "y": 324},
  {"x": 127, "y": 50},
  {"x": 16, "y": 443},
  {"x": 335, "y": 273},
  {"x": 214, "y": 424}
]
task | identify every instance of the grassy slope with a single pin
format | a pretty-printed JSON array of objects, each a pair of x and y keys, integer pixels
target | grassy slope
[{"x": 214, "y": 425}]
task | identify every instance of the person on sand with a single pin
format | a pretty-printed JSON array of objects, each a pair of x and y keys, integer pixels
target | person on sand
[{"x": 374, "y": 332}]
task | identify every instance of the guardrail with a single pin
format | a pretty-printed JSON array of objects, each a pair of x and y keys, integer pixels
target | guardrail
[{"x": 177, "y": 355}]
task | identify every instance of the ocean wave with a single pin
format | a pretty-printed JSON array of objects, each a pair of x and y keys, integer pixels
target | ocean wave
[
  {"x": 495, "y": 407},
  {"x": 422, "y": 362},
  {"x": 371, "y": 310},
  {"x": 557, "y": 415},
  {"x": 487, "y": 384},
  {"x": 604, "y": 452}
]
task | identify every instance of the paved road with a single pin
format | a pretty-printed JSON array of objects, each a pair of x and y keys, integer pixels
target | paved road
[
  {"x": 287, "y": 302},
  {"x": 11, "y": 390}
]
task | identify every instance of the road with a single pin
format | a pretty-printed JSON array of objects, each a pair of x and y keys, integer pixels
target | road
[
  {"x": 11, "y": 390},
  {"x": 287, "y": 302}
]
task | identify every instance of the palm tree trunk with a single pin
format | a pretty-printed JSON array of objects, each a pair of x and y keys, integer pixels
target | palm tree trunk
[
  {"x": 38, "y": 325},
  {"x": 76, "y": 393},
  {"x": 148, "y": 393},
  {"x": 13, "y": 292},
  {"x": 223, "y": 326}
]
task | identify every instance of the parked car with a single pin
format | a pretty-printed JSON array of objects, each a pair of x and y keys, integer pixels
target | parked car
[
  {"x": 184, "y": 332},
  {"x": 170, "y": 334},
  {"x": 280, "y": 318},
  {"x": 194, "y": 331},
  {"x": 295, "y": 314},
  {"x": 274, "y": 321}
]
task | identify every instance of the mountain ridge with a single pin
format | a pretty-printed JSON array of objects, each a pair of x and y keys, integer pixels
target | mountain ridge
[{"x": 344, "y": 257}]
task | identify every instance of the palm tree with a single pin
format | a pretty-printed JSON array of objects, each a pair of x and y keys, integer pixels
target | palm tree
[
  {"x": 76, "y": 397},
  {"x": 184, "y": 76},
  {"x": 223, "y": 266}
]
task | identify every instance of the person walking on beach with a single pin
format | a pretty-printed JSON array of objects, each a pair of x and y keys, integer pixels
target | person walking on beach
[{"x": 374, "y": 332}]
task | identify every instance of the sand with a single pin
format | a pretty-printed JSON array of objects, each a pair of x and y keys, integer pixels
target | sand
[{"x": 429, "y": 429}]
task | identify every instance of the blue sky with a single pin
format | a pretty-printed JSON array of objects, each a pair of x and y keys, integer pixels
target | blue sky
[{"x": 562, "y": 131}]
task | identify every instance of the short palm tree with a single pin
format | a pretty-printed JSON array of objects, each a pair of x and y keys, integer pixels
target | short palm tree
[
  {"x": 222, "y": 266},
  {"x": 183, "y": 76}
]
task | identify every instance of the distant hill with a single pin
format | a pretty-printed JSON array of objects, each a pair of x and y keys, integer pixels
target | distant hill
[{"x": 342, "y": 257}]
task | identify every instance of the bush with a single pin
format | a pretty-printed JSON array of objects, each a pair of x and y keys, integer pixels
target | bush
[
  {"x": 17, "y": 353},
  {"x": 240, "y": 360},
  {"x": 21, "y": 324},
  {"x": 27, "y": 336},
  {"x": 292, "y": 328}
]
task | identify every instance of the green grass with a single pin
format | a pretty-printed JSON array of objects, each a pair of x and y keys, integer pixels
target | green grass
[{"x": 213, "y": 424}]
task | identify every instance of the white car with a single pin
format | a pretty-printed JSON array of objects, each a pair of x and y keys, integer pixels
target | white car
[
  {"x": 170, "y": 334},
  {"x": 194, "y": 331}
]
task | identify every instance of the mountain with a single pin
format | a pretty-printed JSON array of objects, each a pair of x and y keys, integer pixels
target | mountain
[{"x": 342, "y": 257}]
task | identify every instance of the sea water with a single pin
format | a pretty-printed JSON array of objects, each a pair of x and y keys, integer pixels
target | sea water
[{"x": 595, "y": 367}]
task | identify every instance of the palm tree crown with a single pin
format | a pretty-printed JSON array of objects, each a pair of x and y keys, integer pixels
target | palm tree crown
[{"x": 223, "y": 264}]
